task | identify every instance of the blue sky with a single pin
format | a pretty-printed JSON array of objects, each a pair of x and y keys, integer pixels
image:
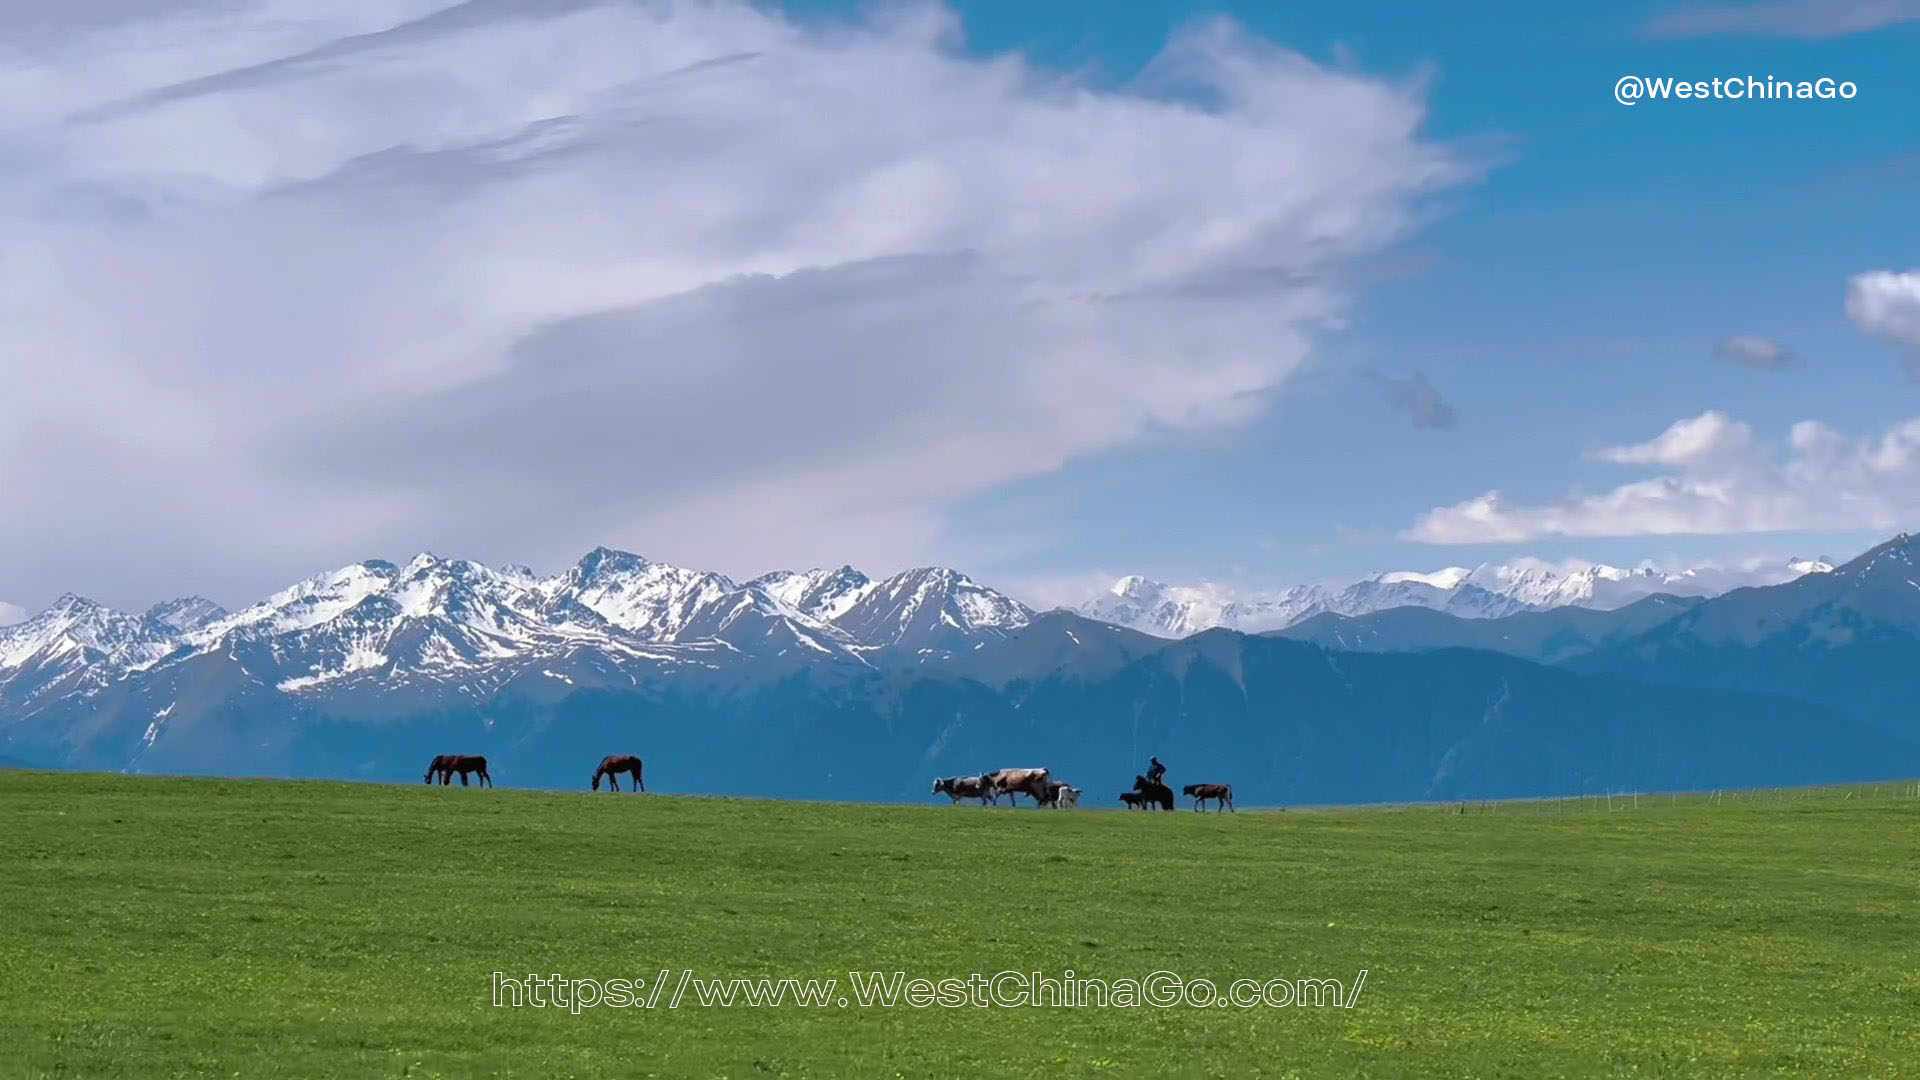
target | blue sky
[
  {"x": 1570, "y": 301},
  {"x": 1045, "y": 292}
]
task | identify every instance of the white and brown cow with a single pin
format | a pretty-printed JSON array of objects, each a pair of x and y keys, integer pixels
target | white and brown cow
[
  {"x": 1013, "y": 782},
  {"x": 1221, "y": 794},
  {"x": 1061, "y": 795},
  {"x": 966, "y": 787}
]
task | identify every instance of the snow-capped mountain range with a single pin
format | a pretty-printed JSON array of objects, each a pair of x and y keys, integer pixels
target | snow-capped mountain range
[
  {"x": 451, "y": 619},
  {"x": 455, "y": 621},
  {"x": 808, "y": 683},
  {"x": 1485, "y": 592}
]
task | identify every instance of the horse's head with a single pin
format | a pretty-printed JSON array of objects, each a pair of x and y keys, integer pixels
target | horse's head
[
  {"x": 1140, "y": 783},
  {"x": 596, "y": 779},
  {"x": 1189, "y": 789}
]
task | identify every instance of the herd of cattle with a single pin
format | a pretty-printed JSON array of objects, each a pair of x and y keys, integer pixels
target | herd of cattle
[{"x": 1039, "y": 784}]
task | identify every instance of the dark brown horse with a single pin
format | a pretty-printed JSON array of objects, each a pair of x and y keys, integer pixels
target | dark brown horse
[
  {"x": 1154, "y": 792},
  {"x": 448, "y": 764},
  {"x": 1221, "y": 794},
  {"x": 614, "y": 764}
]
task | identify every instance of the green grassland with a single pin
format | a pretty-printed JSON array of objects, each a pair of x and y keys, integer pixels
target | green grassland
[{"x": 188, "y": 927}]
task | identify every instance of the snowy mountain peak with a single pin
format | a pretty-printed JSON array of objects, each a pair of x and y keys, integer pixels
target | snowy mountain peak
[
  {"x": 420, "y": 563},
  {"x": 1180, "y": 610},
  {"x": 606, "y": 560},
  {"x": 75, "y": 632},
  {"x": 71, "y": 606},
  {"x": 308, "y": 604},
  {"x": 185, "y": 615},
  {"x": 822, "y": 594},
  {"x": 653, "y": 600},
  {"x": 1449, "y": 578},
  {"x": 977, "y": 605},
  {"x": 87, "y": 622},
  {"x": 931, "y": 609},
  {"x": 1487, "y": 591}
]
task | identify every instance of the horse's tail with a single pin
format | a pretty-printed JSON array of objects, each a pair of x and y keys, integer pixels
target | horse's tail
[{"x": 638, "y": 766}]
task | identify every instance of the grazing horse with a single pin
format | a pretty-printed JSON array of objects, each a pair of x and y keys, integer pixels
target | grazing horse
[
  {"x": 1221, "y": 794},
  {"x": 613, "y": 764},
  {"x": 448, "y": 764},
  {"x": 1154, "y": 792}
]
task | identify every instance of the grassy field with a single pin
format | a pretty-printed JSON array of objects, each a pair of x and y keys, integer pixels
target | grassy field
[{"x": 178, "y": 927}]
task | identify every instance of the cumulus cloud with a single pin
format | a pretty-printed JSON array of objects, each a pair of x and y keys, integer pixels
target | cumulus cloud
[
  {"x": 1758, "y": 353},
  {"x": 1806, "y": 19},
  {"x": 1416, "y": 396},
  {"x": 288, "y": 283},
  {"x": 1714, "y": 478},
  {"x": 1711, "y": 436},
  {"x": 1887, "y": 305}
]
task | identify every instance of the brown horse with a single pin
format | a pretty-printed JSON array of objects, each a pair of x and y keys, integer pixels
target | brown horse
[
  {"x": 614, "y": 764},
  {"x": 448, "y": 764},
  {"x": 1221, "y": 794}
]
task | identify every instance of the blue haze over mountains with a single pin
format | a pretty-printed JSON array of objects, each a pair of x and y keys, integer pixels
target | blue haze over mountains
[{"x": 824, "y": 684}]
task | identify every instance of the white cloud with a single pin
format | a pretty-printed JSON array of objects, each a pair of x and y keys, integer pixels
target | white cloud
[
  {"x": 1808, "y": 19},
  {"x": 1758, "y": 353},
  {"x": 288, "y": 283},
  {"x": 11, "y": 613},
  {"x": 1716, "y": 479},
  {"x": 1711, "y": 436},
  {"x": 1887, "y": 305}
]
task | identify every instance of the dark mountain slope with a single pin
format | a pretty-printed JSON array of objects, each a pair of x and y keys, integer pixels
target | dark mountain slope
[
  {"x": 1848, "y": 640},
  {"x": 1549, "y": 636},
  {"x": 1283, "y": 721}
]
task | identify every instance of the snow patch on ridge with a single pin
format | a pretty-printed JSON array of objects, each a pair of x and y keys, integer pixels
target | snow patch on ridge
[
  {"x": 1488, "y": 591},
  {"x": 360, "y": 659}
]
